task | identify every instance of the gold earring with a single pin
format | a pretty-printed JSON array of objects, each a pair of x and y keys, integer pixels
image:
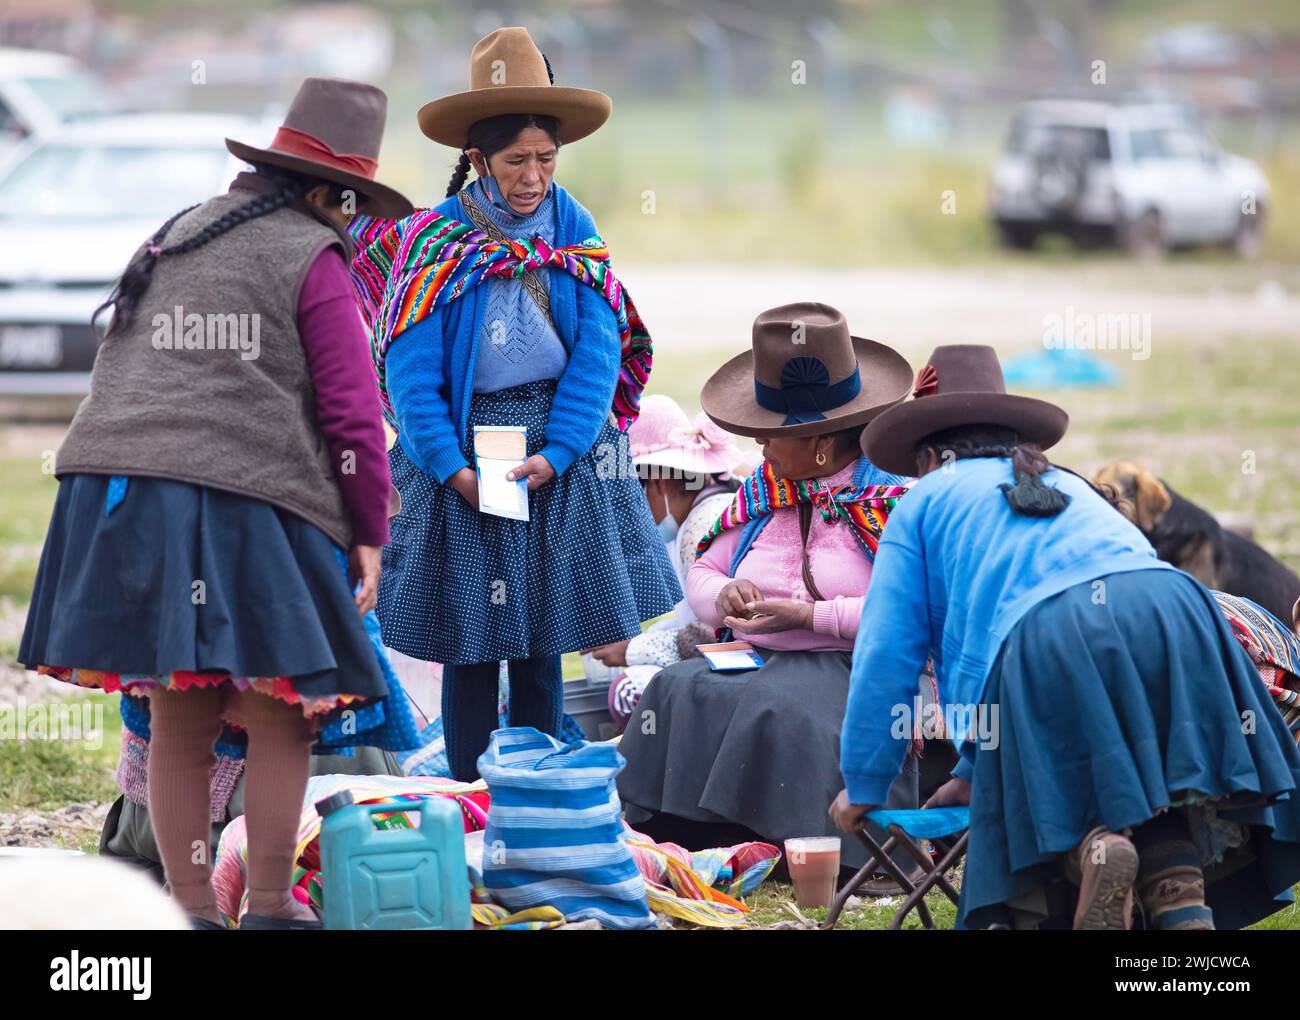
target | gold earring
[{"x": 821, "y": 458}]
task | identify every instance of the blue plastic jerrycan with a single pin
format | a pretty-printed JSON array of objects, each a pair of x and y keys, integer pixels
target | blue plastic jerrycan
[{"x": 393, "y": 878}]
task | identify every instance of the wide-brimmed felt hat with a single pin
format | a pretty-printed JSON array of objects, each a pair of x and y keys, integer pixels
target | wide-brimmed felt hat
[
  {"x": 507, "y": 74},
  {"x": 961, "y": 384},
  {"x": 332, "y": 131},
  {"x": 805, "y": 375}
]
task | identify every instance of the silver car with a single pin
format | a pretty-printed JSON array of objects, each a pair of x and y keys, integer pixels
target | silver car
[
  {"x": 73, "y": 209},
  {"x": 1146, "y": 175}
]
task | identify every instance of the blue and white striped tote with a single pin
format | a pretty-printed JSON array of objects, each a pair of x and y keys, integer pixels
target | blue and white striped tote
[{"x": 555, "y": 832}]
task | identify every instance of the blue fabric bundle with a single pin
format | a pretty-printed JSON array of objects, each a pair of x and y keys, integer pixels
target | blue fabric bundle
[{"x": 555, "y": 832}]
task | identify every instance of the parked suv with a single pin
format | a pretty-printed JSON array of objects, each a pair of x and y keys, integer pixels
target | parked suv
[{"x": 1146, "y": 175}]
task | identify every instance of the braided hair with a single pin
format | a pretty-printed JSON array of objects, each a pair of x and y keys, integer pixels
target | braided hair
[
  {"x": 1028, "y": 496},
  {"x": 288, "y": 188},
  {"x": 492, "y": 134}
]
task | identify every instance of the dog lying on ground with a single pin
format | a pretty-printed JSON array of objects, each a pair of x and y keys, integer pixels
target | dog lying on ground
[{"x": 1190, "y": 538}]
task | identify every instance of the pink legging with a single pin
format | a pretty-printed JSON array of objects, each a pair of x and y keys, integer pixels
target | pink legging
[{"x": 184, "y": 730}]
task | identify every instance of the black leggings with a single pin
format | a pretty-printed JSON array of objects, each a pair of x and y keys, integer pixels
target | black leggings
[{"x": 469, "y": 706}]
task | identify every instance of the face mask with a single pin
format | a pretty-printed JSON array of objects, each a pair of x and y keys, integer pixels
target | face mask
[
  {"x": 494, "y": 193},
  {"x": 497, "y": 198},
  {"x": 668, "y": 527}
]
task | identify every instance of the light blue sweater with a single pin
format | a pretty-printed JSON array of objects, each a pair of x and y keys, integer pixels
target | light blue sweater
[
  {"x": 518, "y": 344},
  {"x": 955, "y": 571},
  {"x": 431, "y": 366}
]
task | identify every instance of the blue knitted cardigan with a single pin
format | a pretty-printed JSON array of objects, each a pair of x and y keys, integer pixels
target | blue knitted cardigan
[{"x": 431, "y": 366}]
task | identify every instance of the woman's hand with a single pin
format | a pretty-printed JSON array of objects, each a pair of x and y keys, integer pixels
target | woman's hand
[
  {"x": 735, "y": 596},
  {"x": 537, "y": 469},
  {"x": 772, "y": 615},
  {"x": 465, "y": 481},
  {"x": 363, "y": 569},
  {"x": 848, "y": 817},
  {"x": 610, "y": 655},
  {"x": 954, "y": 793}
]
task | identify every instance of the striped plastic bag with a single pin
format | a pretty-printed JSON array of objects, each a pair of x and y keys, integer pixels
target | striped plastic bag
[{"x": 554, "y": 832}]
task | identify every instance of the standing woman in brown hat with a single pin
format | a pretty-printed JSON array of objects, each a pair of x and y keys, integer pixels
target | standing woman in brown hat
[
  {"x": 1116, "y": 741},
  {"x": 786, "y": 568},
  {"x": 539, "y": 349},
  {"x": 218, "y": 485}
]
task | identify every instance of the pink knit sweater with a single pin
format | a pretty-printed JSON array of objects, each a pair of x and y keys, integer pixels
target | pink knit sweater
[{"x": 775, "y": 565}]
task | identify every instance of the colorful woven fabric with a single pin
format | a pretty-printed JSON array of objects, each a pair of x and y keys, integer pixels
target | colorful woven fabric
[
  {"x": 403, "y": 269},
  {"x": 865, "y": 508},
  {"x": 133, "y": 775},
  {"x": 280, "y": 687},
  {"x": 702, "y": 887},
  {"x": 1273, "y": 648}
]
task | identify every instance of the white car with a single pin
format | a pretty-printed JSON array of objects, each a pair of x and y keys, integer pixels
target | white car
[
  {"x": 74, "y": 207},
  {"x": 1146, "y": 175},
  {"x": 40, "y": 91}
]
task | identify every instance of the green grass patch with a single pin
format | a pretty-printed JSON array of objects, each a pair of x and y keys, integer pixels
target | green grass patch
[
  {"x": 26, "y": 498},
  {"x": 43, "y": 774},
  {"x": 768, "y": 906}
]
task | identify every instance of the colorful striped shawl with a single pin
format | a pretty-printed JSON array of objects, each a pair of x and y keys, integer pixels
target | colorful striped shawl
[
  {"x": 403, "y": 269},
  {"x": 865, "y": 507}
]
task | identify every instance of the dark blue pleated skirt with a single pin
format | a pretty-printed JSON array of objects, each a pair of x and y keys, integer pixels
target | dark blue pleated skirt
[
  {"x": 182, "y": 577},
  {"x": 586, "y": 569},
  {"x": 1110, "y": 711}
]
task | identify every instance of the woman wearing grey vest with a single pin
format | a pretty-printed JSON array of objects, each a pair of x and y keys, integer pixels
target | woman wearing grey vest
[{"x": 218, "y": 485}]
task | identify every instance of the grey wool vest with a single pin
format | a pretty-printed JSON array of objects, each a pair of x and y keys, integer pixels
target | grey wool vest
[{"x": 209, "y": 383}]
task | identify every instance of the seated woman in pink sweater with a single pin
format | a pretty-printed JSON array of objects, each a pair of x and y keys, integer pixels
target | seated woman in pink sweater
[{"x": 786, "y": 567}]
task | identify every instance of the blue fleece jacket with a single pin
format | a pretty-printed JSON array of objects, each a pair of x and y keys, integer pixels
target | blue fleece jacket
[
  {"x": 955, "y": 571},
  {"x": 430, "y": 367}
]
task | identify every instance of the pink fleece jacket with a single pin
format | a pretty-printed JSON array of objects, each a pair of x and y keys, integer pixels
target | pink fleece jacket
[{"x": 775, "y": 565}]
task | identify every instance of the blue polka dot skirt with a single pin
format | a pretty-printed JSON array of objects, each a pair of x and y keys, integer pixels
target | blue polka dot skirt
[{"x": 586, "y": 569}]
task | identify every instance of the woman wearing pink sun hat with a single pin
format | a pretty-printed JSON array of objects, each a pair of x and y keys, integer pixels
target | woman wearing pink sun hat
[{"x": 687, "y": 469}]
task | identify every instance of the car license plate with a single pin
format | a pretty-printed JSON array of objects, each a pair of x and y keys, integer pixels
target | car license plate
[{"x": 30, "y": 346}]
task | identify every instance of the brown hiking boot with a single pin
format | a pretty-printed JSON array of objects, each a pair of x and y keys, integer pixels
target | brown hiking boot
[{"x": 1108, "y": 864}]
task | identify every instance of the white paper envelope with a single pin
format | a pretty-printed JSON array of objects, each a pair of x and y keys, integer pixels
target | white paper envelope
[{"x": 499, "y": 449}]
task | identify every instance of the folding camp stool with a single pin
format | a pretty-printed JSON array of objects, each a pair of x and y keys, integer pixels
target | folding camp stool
[{"x": 945, "y": 827}]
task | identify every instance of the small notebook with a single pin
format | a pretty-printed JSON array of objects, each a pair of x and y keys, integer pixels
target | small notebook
[
  {"x": 499, "y": 449},
  {"x": 731, "y": 656}
]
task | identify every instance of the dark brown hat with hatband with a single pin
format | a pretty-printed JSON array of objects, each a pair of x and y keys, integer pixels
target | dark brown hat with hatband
[
  {"x": 508, "y": 74},
  {"x": 805, "y": 375},
  {"x": 332, "y": 131},
  {"x": 961, "y": 384}
]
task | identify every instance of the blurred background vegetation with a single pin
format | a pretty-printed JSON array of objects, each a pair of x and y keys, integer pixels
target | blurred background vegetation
[{"x": 823, "y": 132}]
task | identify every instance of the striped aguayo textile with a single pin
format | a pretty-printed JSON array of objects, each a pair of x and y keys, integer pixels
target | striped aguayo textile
[
  {"x": 1272, "y": 647},
  {"x": 865, "y": 508},
  {"x": 403, "y": 269}
]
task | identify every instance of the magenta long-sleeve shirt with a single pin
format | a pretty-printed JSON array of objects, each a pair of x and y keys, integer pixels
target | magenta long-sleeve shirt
[
  {"x": 347, "y": 395},
  {"x": 774, "y": 564}
]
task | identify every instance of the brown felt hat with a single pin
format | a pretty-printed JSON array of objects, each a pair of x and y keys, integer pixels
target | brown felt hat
[
  {"x": 332, "y": 131},
  {"x": 805, "y": 375},
  {"x": 507, "y": 74},
  {"x": 961, "y": 384}
]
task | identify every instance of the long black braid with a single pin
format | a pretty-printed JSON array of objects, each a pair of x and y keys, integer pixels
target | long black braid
[
  {"x": 459, "y": 175},
  {"x": 494, "y": 133},
  {"x": 137, "y": 276},
  {"x": 1029, "y": 496}
]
